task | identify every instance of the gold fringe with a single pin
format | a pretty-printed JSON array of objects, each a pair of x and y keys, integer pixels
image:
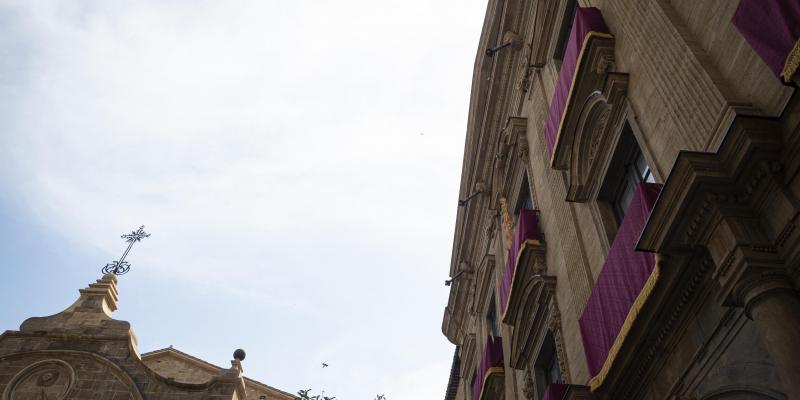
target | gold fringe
[
  {"x": 589, "y": 36},
  {"x": 531, "y": 242},
  {"x": 493, "y": 370},
  {"x": 792, "y": 63},
  {"x": 637, "y": 305}
]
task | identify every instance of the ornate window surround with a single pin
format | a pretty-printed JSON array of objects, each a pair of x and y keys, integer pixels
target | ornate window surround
[
  {"x": 602, "y": 215},
  {"x": 591, "y": 118}
]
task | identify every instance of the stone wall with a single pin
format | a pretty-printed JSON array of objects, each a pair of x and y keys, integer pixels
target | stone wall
[
  {"x": 83, "y": 353},
  {"x": 690, "y": 76}
]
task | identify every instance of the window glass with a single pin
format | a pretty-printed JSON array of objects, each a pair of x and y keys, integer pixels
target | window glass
[
  {"x": 491, "y": 320},
  {"x": 525, "y": 200},
  {"x": 627, "y": 170},
  {"x": 546, "y": 364},
  {"x": 563, "y": 33}
]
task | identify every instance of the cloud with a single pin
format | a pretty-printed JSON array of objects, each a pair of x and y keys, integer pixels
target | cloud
[{"x": 274, "y": 150}]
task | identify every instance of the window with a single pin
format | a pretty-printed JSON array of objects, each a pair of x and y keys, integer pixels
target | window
[
  {"x": 524, "y": 200},
  {"x": 563, "y": 33},
  {"x": 628, "y": 168},
  {"x": 491, "y": 320},
  {"x": 546, "y": 367}
]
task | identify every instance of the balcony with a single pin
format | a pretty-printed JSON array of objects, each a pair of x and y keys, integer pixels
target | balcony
[
  {"x": 621, "y": 288},
  {"x": 561, "y": 391},
  {"x": 488, "y": 383},
  {"x": 525, "y": 258},
  {"x": 586, "y": 106}
]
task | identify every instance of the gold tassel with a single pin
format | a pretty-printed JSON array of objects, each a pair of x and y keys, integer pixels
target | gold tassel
[
  {"x": 792, "y": 63},
  {"x": 633, "y": 313}
]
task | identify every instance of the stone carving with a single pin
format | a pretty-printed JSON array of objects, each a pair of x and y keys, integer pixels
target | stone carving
[
  {"x": 44, "y": 380},
  {"x": 508, "y": 224},
  {"x": 524, "y": 74},
  {"x": 597, "y": 135},
  {"x": 529, "y": 390},
  {"x": 603, "y": 63}
]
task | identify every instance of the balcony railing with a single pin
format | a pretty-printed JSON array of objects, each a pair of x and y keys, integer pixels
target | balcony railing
[
  {"x": 625, "y": 274},
  {"x": 526, "y": 234},
  {"x": 490, "y": 371}
]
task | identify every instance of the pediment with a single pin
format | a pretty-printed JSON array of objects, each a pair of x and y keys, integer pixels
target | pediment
[
  {"x": 511, "y": 159},
  {"x": 591, "y": 119},
  {"x": 531, "y": 318}
]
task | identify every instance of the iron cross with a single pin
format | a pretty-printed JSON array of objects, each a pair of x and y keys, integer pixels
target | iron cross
[{"x": 121, "y": 266}]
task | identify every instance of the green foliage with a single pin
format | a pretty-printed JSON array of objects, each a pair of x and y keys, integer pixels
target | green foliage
[{"x": 306, "y": 395}]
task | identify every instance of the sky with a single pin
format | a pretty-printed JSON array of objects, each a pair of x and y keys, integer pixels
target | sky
[{"x": 296, "y": 162}]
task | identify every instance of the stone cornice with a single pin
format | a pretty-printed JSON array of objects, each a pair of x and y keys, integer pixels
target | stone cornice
[
  {"x": 171, "y": 352},
  {"x": 699, "y": 183},
  {"x": 721, "y": 222},
  {"x": 492, "y": 82}
]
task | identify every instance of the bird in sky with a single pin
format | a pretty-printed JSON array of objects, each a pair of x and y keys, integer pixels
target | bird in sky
[{"x": 324, "y": 365}]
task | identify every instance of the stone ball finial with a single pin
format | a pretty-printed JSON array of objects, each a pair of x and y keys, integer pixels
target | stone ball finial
[{"x": 238, "y": 355}]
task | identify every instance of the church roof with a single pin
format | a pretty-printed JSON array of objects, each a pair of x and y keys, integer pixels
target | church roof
[{"x": 213, "y": 369}]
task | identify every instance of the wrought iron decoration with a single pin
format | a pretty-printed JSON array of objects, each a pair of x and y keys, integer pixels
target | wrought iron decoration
[{"x": 121, "y": 266}]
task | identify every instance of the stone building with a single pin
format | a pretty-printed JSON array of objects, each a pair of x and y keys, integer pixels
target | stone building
[
  {"x": 83, "y": 353},
  {"x": 628, "y": 206}
]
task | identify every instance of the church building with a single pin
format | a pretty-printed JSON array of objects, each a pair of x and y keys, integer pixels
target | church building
[
  {"x": 83, "y": 353},
  {"x": 629, "y": 202}
]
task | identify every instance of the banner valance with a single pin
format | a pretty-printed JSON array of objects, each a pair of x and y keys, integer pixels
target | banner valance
[
  {"x": 491, "y": 363},
  {"x": 772, "y": 28},
  {"x": 617, "y": 294},
  {"x": 587, "y": 21}
]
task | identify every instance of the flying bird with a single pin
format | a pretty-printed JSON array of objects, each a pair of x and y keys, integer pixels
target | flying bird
[{"x": 324, "y": 365}]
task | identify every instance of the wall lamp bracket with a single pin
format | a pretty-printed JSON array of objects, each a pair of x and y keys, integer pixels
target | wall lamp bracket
[
  {"x": 450, "y": 281},
  {"x": 479, "y": 188},
  {"x": 463, "y": 202},
  {"x": 490, "y": 51}
]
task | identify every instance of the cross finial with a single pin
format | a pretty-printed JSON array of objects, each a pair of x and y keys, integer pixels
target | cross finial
[{"x": 121, "y": 266}]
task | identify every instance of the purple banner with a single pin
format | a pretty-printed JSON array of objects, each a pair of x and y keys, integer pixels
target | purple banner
[
  {"x": 771, "y": 27},
  {"x": 624, "y": 274},
  {"x": 492, "y": 358},
  {"x": 586, "y": 20},
  {"x": 527, "y": 229},
  {"x": 555, "y": 391}
]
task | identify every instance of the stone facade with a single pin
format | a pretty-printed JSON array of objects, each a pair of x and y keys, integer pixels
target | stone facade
[
  {"x": 715, "y": 126},
  {"x": 83, "y": 353},
  {"x": 181, "y": 367}
]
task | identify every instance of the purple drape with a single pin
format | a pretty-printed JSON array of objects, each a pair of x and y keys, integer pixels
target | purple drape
[
  {"x": 492, "y": 357},
  {"x": 555, "y": 391},
  {"x": 586, "y": 20},
  {"x": 624, "y": 273},
  {"x": 527, "y": 229},
  {"x": 771, "y": 27}
]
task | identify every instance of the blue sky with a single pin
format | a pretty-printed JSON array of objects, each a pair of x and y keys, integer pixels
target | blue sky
[{"x": 297, "y": 163}]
